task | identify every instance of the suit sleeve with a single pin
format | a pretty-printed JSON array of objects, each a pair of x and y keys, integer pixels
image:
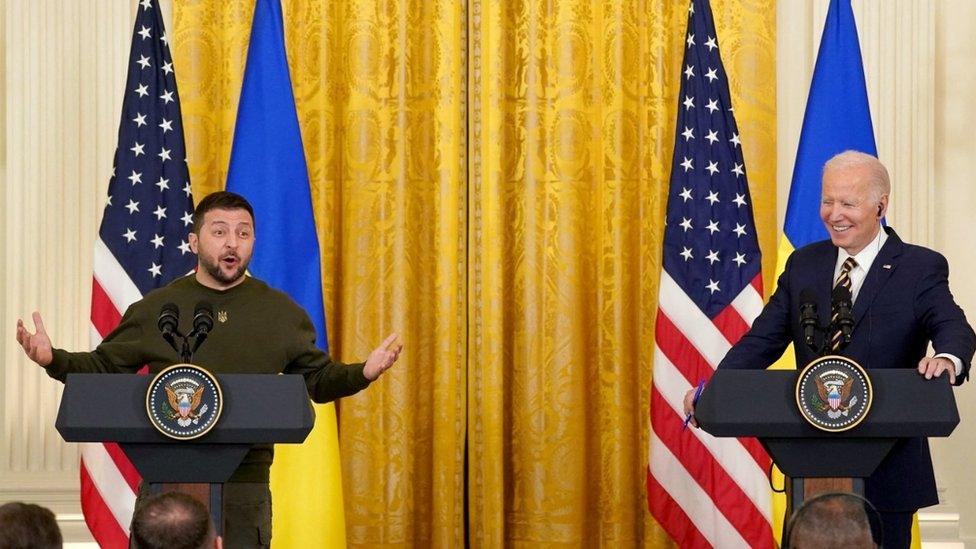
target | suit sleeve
[
  {"x": 325, "y": 378},
  {"x": 944, "y": 321},
  {"x": 769, "y": 335}
]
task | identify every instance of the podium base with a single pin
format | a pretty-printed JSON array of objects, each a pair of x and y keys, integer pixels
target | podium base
[{"x": 799, "y": 489}]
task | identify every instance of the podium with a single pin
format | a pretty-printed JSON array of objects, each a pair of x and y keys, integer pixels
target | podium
[
  {"x": 762, "y": 404},
  {"x": 257, "y": 409}
]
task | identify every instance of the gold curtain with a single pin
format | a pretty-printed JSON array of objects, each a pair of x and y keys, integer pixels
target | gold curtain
[
  {"x": 489, "y": 179},
  {"x": 572, "y": 126}
]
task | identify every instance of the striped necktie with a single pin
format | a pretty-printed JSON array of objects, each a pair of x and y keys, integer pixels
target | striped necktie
[{"x": 844, "y": 279}]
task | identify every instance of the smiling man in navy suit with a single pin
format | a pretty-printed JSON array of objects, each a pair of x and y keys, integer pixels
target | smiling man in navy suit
[{"x": 902, "y": 303}]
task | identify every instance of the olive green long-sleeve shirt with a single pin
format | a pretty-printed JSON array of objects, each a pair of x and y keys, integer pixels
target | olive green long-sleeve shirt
[{"x": 257, "y": 330}]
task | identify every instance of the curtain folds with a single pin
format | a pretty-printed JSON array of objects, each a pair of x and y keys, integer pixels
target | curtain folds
[{"x": 489, "y": 180}]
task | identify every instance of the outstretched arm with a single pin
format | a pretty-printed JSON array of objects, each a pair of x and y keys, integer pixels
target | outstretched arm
[{"x": 327, "y": 379}]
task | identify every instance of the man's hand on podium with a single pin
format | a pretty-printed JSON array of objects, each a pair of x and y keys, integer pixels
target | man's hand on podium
[
  {"x": 380, "y": 360},
  {"x": 37, "y": 346},
  {"x": 933, "y": 366},
  {"x": 690, "y": 407}
]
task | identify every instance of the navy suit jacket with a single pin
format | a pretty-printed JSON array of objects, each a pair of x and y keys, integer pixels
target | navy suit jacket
[{"x": 903, "y": 304}]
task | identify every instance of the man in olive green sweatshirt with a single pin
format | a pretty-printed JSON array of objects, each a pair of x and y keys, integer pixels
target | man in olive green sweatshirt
[{"x": 259, "y": 330}]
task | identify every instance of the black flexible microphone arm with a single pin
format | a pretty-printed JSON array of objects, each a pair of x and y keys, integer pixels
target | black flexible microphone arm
[
  {"x": 168, "y": 324},
  {"x": 202, "y": 323}
]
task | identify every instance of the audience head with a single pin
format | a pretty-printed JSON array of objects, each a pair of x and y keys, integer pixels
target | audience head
[
  {"x": 830, "y": 520},
  {"x": 172, "y": 520},
  {"x": 28, "y": 526}
]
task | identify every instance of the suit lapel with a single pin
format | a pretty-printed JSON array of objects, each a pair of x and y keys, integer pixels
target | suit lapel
[{"x": 881, "y": 269}]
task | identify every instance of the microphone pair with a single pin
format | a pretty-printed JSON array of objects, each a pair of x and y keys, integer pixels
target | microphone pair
[
  {"x": 842, "y": 317},
  {"x": 169, "y": 321}
]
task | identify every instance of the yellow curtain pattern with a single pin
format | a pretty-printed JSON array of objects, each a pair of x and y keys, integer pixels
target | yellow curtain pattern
[
  {"x": 572, "y": 126},
  {"x": 489, "y": 179}
]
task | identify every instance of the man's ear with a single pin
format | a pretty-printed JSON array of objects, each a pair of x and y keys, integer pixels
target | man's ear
[{"x": 192, "y": 238}]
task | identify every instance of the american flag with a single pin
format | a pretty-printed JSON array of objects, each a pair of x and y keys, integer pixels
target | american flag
[
  {"x": 141, "y": 245},
  {"x": 702, "y": 490}
]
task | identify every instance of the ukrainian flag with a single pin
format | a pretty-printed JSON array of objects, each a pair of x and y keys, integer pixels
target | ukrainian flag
[
  {"x": 267, "y": 166},
  {"x": 837, "y": 119}
]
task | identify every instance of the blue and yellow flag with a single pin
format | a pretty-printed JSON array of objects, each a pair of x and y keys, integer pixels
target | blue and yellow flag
[
  {"x": 837, "y": 119},
  {"x": 267, "y": 166}
]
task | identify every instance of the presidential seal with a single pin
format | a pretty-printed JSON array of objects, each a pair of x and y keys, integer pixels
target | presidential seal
[
  {"x": 833, "y": 393},
  {"x": 184, "y": 401}
]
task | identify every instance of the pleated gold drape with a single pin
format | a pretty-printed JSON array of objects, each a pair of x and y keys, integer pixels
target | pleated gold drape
[{"x": 489, "y": 179}]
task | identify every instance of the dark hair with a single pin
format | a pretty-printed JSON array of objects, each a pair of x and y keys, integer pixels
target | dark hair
[
  {"x": 28, "y": 526},
  {"x": 834, "y": 519},
  {"x": 171, "y": 520},
  {"x": 220, "y": 200}
]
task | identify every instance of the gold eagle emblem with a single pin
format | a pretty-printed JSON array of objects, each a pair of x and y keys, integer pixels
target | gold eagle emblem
[{"x": 183, "y": 404}]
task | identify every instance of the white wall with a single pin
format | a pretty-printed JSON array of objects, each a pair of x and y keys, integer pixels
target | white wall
[
  {"x": 955, "y": 209},
  {"x": 62, "y": 69}
]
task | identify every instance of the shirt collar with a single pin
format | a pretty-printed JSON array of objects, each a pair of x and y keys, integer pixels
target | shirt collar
[{"x": 866, "y": 256}]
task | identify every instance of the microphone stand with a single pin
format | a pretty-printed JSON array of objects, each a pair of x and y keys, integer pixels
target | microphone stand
[
  {"x": 184, "y": 348},
  {"x": 202, "y": 324}
]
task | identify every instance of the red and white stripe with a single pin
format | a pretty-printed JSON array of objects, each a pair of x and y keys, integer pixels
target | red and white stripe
[
  {"x": 704, "y": 491},
  {"x": 109, "y": 482}
]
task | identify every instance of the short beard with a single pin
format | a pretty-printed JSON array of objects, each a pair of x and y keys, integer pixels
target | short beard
[{"x": 213, "y": 269}]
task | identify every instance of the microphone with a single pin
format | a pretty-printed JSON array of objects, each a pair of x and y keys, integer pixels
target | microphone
[
  {"x": 840, "y": 303},
  {"x": 808, "y": 317},
  {"x": 203, "y": 318},
  {"x": 202, "y": 323},
  {"x": 168, "y": 323}
]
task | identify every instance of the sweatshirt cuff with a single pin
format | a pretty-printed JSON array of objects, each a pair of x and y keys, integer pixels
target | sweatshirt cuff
[
  {"x": 356, "y": 376},
  {"x": 58, "y": 368}
]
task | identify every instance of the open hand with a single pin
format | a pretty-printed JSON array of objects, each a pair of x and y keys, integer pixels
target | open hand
[
  {"x": 37, "y": 346},
  {"x": 383, "y": 357}
]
